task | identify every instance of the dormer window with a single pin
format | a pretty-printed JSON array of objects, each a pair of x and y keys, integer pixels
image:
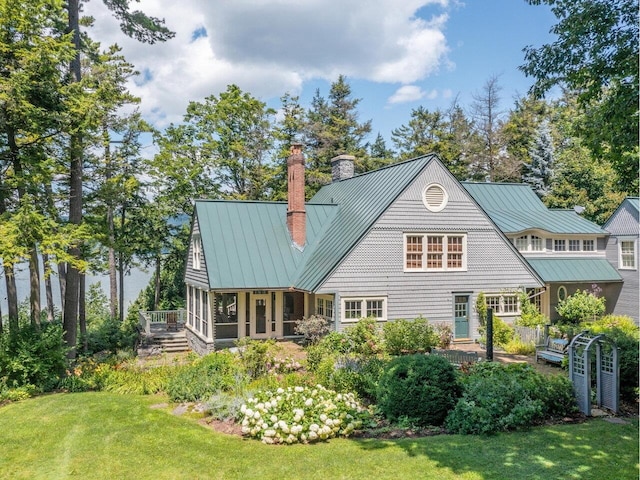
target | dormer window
[{"x": 196, "y": 252}]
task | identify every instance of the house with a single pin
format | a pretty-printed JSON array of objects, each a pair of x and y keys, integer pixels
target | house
[
  {"x": 403, "y": 241},
  {"x": 567, "y": 251},
  {"x": 622, "y": 252}
]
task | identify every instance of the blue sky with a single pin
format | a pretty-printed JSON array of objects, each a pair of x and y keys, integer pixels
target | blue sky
[{"x": 396, "y": 54}]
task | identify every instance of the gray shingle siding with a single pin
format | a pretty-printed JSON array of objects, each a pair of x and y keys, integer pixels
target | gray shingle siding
[
  {"x": 192, "y": 276},
  {"x": 376, "y": 265}
]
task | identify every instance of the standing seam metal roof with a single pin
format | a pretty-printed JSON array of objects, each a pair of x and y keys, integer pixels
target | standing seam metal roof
[
  {"x": 362, "y": 199},
  {"x": 515, "y": 208},
  {"x": 247, "y": 244}
]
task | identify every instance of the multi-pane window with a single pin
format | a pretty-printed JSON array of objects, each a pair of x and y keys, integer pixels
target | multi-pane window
[
  {"x": 574, "y": 245},
  {"x": 522, "y": 243},
  {"x": 356, "y": 308},
  {"x": 505, "y": 304},
  {"x": 455, "y": 252},
  {"x": 414, "y": 252},
  {"x": 559, "y": 245},
  {"x": 196, "y": 252},
  {"x": 352, "y": 309},
  {"x": 537, "y": 244},
  {"x": 435, "y": 252},
  {"x": 628, "y": 254},
  {"x": 493, "y": 302},
  {"x": 374, "y": 308},
  {"x": 588, "y": 245},
  {"x": 324, "y": 307}
]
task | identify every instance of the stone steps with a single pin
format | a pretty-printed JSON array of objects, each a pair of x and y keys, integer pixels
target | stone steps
[{"x": 172, "y": 343}]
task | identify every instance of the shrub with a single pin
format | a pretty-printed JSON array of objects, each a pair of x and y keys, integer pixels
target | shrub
[
  {"x": 364, "y": 337},
  {"x": 530, "y": 316},
  {"x": 133, "y": 380},
  {"x": 502, "y": 333},
  {"x": 580, "y": 307},
  {"x": 313, "y": 328},
  {"x": 255, "y": 355},
  {"x": 625, "y": 333},
  {"x": 31, "y": 357},
  {"x": 420, "y": 388},
  {"x": 444, "y": 334},
  {"x": 503, "y": 397},
  {"x": 516, "y": 346},
  {"x": 301, "y": 414},
  {"x": 404, "y": 336},
  {"x": 351, "y": 373},
  {"x": 204, "y": 377}
]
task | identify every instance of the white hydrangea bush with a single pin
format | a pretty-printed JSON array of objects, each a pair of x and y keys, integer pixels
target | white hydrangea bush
[{"x": 301, "y": 415}]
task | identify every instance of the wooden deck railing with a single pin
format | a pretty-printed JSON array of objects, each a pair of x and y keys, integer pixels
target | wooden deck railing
[{"x": 160, "y": 317}]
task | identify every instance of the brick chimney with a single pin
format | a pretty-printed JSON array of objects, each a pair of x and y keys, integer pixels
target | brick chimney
[
  {"x": 342, "y": 167},
  {"x": 296, "y": 216}
]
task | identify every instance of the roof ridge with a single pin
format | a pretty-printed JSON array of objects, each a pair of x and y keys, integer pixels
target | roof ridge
[{"x": 384, "y": 167}]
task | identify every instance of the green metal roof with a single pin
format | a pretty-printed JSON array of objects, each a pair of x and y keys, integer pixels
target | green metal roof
[
  {"x": 361, "y": 199},
  {"x": 553, "y": 270},
  {"x": 247, "y": 244},
  {"x": 515, "y": 208}
]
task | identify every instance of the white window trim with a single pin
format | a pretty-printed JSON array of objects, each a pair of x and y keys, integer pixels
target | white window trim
[
  {"x": 562, "y": 288},
  {"x": 567, "y": 240},
  {"x": 445, "y": 245},
  {"x": 328, "y": 313},
  {"x": 363, "y": 308},
  {"x": 529, "y": 245},
  {"x": 501, "y": 312},
  {"x": 635, "y": 253},
  {"x": 196, "y": 252}
]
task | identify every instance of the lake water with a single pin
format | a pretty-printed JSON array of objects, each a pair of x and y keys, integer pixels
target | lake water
[{"x": 133, "y": 285}]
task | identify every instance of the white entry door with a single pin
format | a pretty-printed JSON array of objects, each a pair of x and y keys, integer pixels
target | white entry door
[{"x": 260, "y": 315}]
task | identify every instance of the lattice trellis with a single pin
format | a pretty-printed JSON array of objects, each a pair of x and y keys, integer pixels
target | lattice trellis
[{"x": 607, "y": 371}]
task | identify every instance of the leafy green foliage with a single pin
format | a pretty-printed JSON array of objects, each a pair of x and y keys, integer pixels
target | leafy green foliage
[
  {"x": 595, "y": 55},
  {"x": 207, "y": 375},
  {"x": 255, "y": 355},
  {"x": 420, "y": 388},
  {"x": 529, "y": 316},
  {"x": 624, "y": 332},
  {"x": 405, "y": 337},
  {"x": 502, "y": 333},
  {"x": 134, "y": 380},
  {"x": 580, "y": 307},
  {"x": 501, "y": 397},
  {"x": 351, "y": 373},
  {"x": 365, "y": 337},
  {"x": 32, "y": 357}
]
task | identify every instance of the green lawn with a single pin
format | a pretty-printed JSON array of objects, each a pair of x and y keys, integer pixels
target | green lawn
[{"x": 101, "y": 435}]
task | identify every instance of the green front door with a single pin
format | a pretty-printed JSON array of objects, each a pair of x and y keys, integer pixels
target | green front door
[{"x": 461, "y": 316}]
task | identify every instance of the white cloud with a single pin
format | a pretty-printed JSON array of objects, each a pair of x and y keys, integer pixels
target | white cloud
[
  {"x": 269, "y": 47},
  {"x": 406, "y": 93}
]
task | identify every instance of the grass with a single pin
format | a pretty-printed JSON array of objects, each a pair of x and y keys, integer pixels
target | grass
[{"x": 103, "y": 435}]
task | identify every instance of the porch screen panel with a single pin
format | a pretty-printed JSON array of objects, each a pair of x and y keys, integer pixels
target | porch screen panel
[
  {"x": 226, "y": 315},
  {"x": 293, "y": 306}
]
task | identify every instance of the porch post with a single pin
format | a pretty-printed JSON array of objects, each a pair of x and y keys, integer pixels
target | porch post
[{"x": 211, "y": 306}]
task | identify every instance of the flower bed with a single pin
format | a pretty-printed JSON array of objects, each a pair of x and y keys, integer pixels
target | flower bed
[{"x": 301, "y": 415}]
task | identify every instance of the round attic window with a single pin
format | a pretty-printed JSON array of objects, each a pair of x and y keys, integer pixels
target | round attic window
[{"x": 435, "y": 197}]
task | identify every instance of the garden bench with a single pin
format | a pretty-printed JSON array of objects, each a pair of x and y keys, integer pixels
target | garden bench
[
  {"x": 457, "y": 357},
  {"x": 554, "y": 350}
]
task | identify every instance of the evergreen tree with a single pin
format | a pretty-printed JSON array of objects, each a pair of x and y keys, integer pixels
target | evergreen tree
[{"x": 539, "y": 172}]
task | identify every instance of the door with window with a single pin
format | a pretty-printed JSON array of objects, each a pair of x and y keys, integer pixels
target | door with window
[
  {"x": 461, "y": 316},
  {"x": 260, "y": 315}
]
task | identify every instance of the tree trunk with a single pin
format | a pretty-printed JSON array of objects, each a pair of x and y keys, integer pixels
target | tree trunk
[
  {"x": 12, "y": 298},
  {"x": 47, "y": 287},
  {"x": 156, "y": 298},
  {"x": 121, "y": 266},
  {"x": 34, "y": 286},
  {"x": 82, "y": 312},
  {"x": 70, "y": 312}
]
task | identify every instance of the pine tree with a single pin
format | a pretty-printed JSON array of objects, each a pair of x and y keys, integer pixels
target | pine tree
[{"x": 539, "y": 172}]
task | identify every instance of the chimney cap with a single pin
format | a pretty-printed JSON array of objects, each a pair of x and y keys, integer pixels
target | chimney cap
[{"x": 296, "y": 148}]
